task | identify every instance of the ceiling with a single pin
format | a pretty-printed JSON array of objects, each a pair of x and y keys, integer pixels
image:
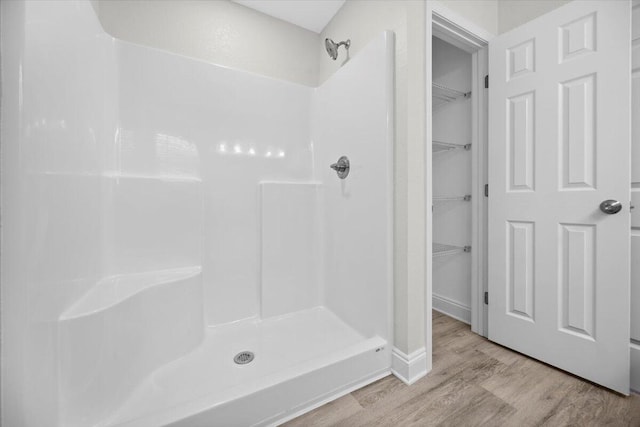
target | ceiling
[{"x": 313, "y": 15}]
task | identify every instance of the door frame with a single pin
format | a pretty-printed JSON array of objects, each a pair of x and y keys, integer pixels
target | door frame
[{"x": 460, "y": 32}]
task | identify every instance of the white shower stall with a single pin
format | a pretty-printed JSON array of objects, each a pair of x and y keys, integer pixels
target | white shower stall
[{"x": 161, "y": 215}]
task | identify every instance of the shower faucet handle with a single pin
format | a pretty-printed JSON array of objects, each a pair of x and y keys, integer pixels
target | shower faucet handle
[{"x": 341, "y": 167}]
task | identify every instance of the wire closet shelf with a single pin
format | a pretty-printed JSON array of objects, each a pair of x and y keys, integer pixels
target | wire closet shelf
[
  {"x": 443, "y": 95},
  {"x": 465, "y": 198},
  {"x": 441, "y": 146},
  {"x": 441, "y": 249}
]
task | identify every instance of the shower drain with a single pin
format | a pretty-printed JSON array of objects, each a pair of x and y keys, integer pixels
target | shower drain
[{"x": 244, "y": 357}]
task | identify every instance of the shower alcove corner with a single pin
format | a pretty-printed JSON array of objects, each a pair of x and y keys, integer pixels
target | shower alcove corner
[{"x": 197, "y": 219}]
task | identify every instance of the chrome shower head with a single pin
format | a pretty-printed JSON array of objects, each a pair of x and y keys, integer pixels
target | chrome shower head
[{"x": 332, "y": 47}]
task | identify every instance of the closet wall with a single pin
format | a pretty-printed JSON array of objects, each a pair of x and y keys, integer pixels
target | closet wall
[{"x": 451, "y": 182}]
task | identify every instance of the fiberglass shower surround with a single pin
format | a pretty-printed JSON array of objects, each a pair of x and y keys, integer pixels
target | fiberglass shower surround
[{"x": 171, "y": 214}]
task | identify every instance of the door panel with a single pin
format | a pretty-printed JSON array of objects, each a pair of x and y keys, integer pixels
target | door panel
[{"x": 559, "y": 145}]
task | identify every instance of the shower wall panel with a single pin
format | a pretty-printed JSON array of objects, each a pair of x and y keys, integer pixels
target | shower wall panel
[
  {"x": 291, "y": 258},
  {"x": 193, "y": 121},
  {"x": 353, "y": 116},
  {"x": 151, "y": 223},
  {"x": 57, "y": 111}
]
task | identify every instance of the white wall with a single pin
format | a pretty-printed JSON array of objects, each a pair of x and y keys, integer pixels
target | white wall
[
  {"x": 499, "y": 16},
  {"x": 483, "y": 13},
  {"x": 221, "y": 32},
  {"x": 512, "y": 13},
  {"x": 361, "y": 21}
]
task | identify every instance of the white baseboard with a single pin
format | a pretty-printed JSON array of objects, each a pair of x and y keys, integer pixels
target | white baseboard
[
  {"x": 451, "y": 308},
  {"x": 635, "y": 366},
  {"x": 409, "y": 368}
]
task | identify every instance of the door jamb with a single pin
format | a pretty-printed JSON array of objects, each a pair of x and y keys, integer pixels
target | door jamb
[{"x": 458, "y": 31}]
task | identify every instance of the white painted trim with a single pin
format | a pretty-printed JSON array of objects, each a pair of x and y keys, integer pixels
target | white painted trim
[
  {"x": 452, "y": 308},
  {"x": 634, "y": 349},
  {"x": 477, "y": 94},
  {"x": 330, "y": 397},
  {"x": 428, "y": 199},
  {"x": 634, "y": 346},
  {"x": 479, "y": 122},
  {"x": 456, "y": 29},
  {"x": 391, "y": 143},
  {"x": 409, "y": 368}
]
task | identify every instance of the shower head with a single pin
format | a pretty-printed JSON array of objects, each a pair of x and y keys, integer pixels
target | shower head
[{"x": 332, "y": 47}]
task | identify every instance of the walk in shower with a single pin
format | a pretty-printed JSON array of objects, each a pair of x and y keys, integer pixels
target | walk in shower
[{"x": 176, "y": 249}]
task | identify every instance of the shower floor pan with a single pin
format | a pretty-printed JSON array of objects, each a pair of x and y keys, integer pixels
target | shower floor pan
[{"x": 301, "y": 360}]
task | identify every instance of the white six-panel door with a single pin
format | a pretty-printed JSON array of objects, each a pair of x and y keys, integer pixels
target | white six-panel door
[{"x": 559, "y": 145}]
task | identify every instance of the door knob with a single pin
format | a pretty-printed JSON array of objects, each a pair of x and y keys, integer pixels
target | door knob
[{"x": 610, "y": 207}]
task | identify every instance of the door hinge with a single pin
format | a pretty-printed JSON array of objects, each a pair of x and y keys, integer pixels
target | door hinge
[
  {"x": 486, "y": 81},
  {"x": 486, "y": 298},
  {"x": 486, "y": 190}
]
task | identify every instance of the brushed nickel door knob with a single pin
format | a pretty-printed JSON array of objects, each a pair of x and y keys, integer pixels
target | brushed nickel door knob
[{"x": 611, "y": 207}]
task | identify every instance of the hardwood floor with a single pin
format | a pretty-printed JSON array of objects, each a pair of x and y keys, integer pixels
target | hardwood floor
[{"x": 477, "y": 383}]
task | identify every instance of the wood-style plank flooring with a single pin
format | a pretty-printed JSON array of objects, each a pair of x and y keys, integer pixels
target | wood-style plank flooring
[{"x": 477, "y": 383}]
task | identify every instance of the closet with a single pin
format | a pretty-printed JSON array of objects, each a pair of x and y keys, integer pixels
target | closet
[{"x": 452, "y": 180}]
